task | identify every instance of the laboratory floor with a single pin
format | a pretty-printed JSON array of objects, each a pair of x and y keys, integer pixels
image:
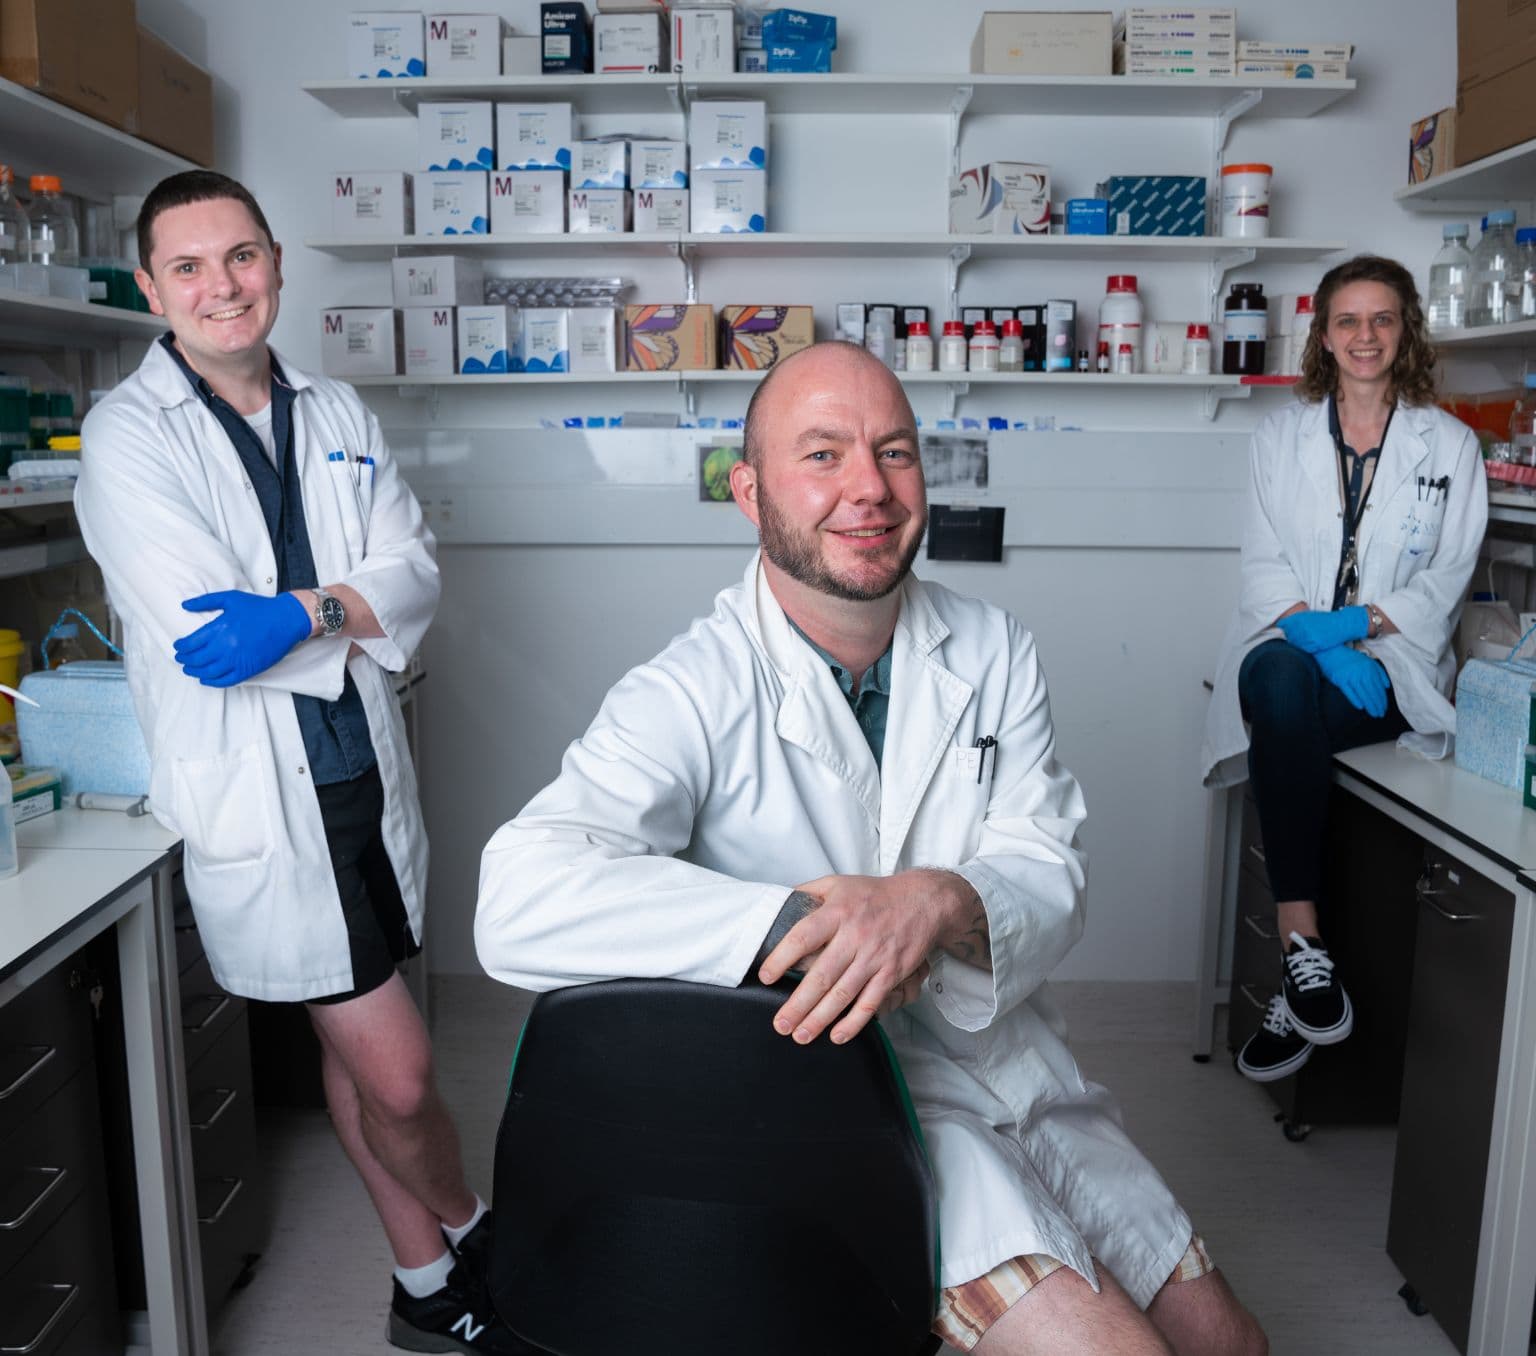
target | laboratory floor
[{"x": 1298, "y": 1228}]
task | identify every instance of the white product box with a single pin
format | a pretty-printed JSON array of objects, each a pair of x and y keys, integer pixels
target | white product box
[
  {"x": 528, "y": 202},
  {"x": 1298, "y": 69},
  {"x": 522, "y": 54},
  {"x": 600, "y": 164},
  {"x": 1043, "y": 43},
  {"x": 533, "y": 136},
  {"x": 455, "y": 136},
  {"x": 1127, "y": 63},
  {"x": 384, "y": 44},
  {"x": 429, "y": 341},
  {"x": 751, "y": 61},
  {"x": 728, "y": 134},
  {"x": 595, "y": 211},
  {"x": 544, "y": 342},
  {"x": 452, "y": 204},
  {"x": 661, "y": 209},
  {"x": 1004, "y": 197},
  {"x": 366, "y": 202},
  {"x": 749, "y": 32},
  {"x": 728, "y": 201},
  {"x": 438, "y": 280},
  {"x": 594, "y": 335},
  {"x": 704, "y": 40},
  {"x": 360, "y": 341},
  {"x": 629, "y": 44},
  {"x": 1162, "y": 346},
  {"x": 1156, "y": 19},
  {"x": 1295, "y": 51},
  {"x": 460, "y": 45},
  {"x": 658, "y": 164},
  {"x": 487, "y": 339}
]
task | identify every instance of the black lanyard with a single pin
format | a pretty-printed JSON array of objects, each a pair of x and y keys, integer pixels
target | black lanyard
[{"x": 1355, "y": 494}]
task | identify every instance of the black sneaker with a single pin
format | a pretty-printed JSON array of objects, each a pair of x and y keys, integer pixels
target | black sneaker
[
  {"x": 1318, "y": 1006},
  {"x": 1275, "y": 1049},
  {"x": 474, "y": 1249},
  {"x": 458, "y": 1317}
]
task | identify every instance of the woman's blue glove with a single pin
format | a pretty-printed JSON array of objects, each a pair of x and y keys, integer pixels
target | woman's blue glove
[
  {"x": 251, "y": 634},
  {"x": 1315, "y": 631},
  {"x": 1359, "y": 677}
]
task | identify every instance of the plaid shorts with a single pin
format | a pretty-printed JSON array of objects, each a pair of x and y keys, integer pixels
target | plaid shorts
[{"x": 967, "y": 1311}]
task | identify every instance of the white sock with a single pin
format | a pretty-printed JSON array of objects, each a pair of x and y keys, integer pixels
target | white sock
[
  {"x": 456, "y": 1233},
  {"x": 419, "y": 1282}
]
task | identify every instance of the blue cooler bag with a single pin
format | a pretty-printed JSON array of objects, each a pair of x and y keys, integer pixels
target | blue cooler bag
[
  {"x": 1494, "y": 718},
  {"x": 84, "y": 725}
]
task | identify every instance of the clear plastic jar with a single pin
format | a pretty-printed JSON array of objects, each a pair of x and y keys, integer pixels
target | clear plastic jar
[
  {"x": 54, "y": 235},
  {"x": 15, "y": 229},
  {"x": 984, "y": 348},
  {"x": 919, "y": 347},
  {"x": 1197, "y": 351},
  {"x": 1010, "y": 347},
  {"x": 952, "y": 347}
]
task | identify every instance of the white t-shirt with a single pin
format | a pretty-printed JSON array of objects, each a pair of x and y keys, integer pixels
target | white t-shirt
[{"x": 261, "y": 426}]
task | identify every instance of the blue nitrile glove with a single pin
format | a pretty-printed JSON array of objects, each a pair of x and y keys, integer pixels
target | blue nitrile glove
[
  {"x": 1314, "y": 631},
  {"x": 252, "y": 633},
  {"x": 1358, "y": 677}
]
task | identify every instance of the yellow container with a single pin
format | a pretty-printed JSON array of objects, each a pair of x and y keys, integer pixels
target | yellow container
[{"x": 11, "y": 651}]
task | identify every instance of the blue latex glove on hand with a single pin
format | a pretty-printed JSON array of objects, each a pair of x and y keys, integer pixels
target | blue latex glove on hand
[
  {"x": 252, "y": 633},
  {"x": 1316, "y": 631},
  {"x": 1359, "y": 677}
]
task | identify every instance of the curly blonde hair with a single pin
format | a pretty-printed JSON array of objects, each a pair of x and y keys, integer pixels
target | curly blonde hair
[{"x": 1413, "y": 370}]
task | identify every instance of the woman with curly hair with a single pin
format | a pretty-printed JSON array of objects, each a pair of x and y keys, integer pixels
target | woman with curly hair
[{"x": 1366, "y": 509}]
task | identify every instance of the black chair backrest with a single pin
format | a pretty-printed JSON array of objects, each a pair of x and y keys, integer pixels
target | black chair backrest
[{"x": 673, "y": 1177}]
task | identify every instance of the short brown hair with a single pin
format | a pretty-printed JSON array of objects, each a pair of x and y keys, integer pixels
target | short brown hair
[
  {"x": 1413, "y": 370},
  {"x": 188, "y": 187}
]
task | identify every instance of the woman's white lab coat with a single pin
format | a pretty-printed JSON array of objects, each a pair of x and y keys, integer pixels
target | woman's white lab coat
[
  {"x": 168, "y": 513},
  {"x": 1416, "y": 548},
  {"x": 730, "y": 769}
]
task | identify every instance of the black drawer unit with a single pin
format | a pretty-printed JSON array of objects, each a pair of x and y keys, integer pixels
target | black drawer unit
[
  {"x": 59, "y": 1299},
  {"x": 45, "y": 1036}
]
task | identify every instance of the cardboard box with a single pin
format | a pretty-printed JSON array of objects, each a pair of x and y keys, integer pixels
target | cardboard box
[
  {"x": 368, "y": 203},
  {"x": 522, "y": 54},
  {"x": 1157, "y": 204},
  {"x": 1043, "y": 43},
  {"x": 1495, "y": 72},
  {"x": 534, "y": 136},
  {"x": 704, "y": 41},
  {"x": 487, "y": 339},
  {"x": 360, "y": 341},
  {"x": 661, "y": 209},
  {"x": 385, "y": 44},
  {"x": 629, "y": 43},
  {"x": 454, "y": 135},
  {"x": 658, "y": 164},
  {"x": 728, "y": 134},
  {"x": 175, "y": 101},
  {"x": 1005, "y": 197},
  {"x": 83, "y": 53},
  {"x": 465, "y": 46},
  {"x": 437, "y": 280},
  {"x": 452, "y": 204},
  {"x": 594, "y": 334},
  {"x": 728, "y": 201},
  {"x": 528, "y": 202},
  {"x": 429, "y": 333},
  {"x": 678, "y": 338},
  {"x": 1432, "y": 146},
  {"x": 596, "y": 211},
  {"x": 600, "y": 164},
  {"x": 754, "y": 338},
  {"x": 567, "y": 35}
]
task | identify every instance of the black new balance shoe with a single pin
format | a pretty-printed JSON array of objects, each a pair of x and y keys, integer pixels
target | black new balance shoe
[
  {"x": 458, "y": 1317},
  {"x": 474, "y": 1249},
  {"x": 1275, "y": 1049},
  {"x": 1318, "y": 1006}
]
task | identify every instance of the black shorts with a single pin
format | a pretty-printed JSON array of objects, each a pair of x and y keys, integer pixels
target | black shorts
[{"x": 378, "y": 931}]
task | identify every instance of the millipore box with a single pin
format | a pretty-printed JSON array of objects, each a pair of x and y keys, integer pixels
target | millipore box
[
  {"x": 528, "y": 202},
  {"x": 462, "y": 45},
  {"x": 455, "y": 136},
  {"x": 452, "y": 204},
  {"x": 728, "y": 134},
  {"x": 594, "y": 336},
  {"x": 658, "y": 164},
  {"x": 600, "y": 164},
  {"x": 533, "y": 136},
  {"x": 567, "y": 38},
  {"x": 371, "y": 203},
  {"x": 754, "y": 338},
  {"x": 728, "y": 201},
  {"x": 629, "y": 44},
  {"x": 1005, "y": 197},
  {"x": 429, "y": 346},
  {"x": 386, "y": 44},
  {"x": 669, "y": 338},
  {"x": 597, "y": 210},
  {"x": 438, "y": 280},
  {"x": 704, "y": 40},
  {"x": 360, "y": 341},
  {"x": 487, "y": 339},
  {"x": 661, "y": 209},
  {"x": 544, "y": 342}
]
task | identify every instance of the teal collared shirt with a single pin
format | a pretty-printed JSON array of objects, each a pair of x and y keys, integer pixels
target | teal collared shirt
[{"x": 872, "y": 703}]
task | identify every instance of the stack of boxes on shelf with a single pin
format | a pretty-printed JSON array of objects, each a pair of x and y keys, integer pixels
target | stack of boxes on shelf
[{"x": 1188, "y": 42}]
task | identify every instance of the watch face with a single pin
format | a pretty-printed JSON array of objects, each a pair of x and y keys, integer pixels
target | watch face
[{"x": 332, "y": 614}]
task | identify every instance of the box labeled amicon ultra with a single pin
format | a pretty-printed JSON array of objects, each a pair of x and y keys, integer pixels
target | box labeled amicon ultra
[
  {"x": 528, "y": 202},
  {"x": 365, "y": 202},
  {"x": 661, "y": 209},
  {"x": 533, "y": 136},
  {"x": 437, "y": 280},
  {"x": 487, "y": 339},
  {"x": 464, "y": 45},
  {"x": 386, "y": 44},
  {"x": 567, "y": 35},
  {"x": 429, "y": 341},
  {"x": 728, "y": 202},
  {"x": 453, "y": 204},
  {"x": 360, "y": 341},
  {"x": 455, "y": 136}
]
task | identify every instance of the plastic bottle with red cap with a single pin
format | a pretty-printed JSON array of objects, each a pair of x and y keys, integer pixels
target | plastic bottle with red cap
[
  {"x": 1120, "y": 319},
  {"x": 1197, "y": 351},
  {"x": 952, "y": 347}
]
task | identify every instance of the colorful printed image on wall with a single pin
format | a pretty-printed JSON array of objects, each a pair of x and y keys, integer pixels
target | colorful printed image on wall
[
  {"x": 715, "y": 462},
  {"x": 954, "y": 461}
]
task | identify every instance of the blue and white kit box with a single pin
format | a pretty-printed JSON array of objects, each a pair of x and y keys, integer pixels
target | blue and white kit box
[
  {"x": 429, "y": 333},
  {"x": 371, "y": 203},
  {"x": 597, "y": 211},
  {"x": 728, "y": 134},
  {"x": 465, "y": 45},
  {"x": 534, "y": 136},
  {"x": 658, "y": 164},
  {"x": 1002, "y": 197},
  {"x": 360, "y": 341},
  {"x": 728, "y": 201},
  {"x": 602, "y": 163},
  {"x": 452, "y": 204},
  {"x": 528, "y": 202},
  {"x": 661, "y": 209},
  {"x": 543, "y": 342},
  {"x": 455, "y": 136},
  {"x": 386, "y": 44},
  {"x": 487, "y": 339},
  {"x": 437, "y": 280}
]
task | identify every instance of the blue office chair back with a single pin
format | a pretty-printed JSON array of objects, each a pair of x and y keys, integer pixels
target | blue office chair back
[{"x": 673, "y": 1177}]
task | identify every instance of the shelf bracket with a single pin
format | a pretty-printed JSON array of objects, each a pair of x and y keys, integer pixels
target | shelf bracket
[
  {"x": 1223, "y": 264},
  {"x": 1245, "y": 102},
  {"x": 959, "y": 101},
  {"x": 952, "y": 392},
  {"x": 1212, "y": 396},
  {"x": 690, "y": 393},
  {"x": 958, "y": 254},
  {"x": 685, "y": 256},
  {"x": 675, "y": 95}
]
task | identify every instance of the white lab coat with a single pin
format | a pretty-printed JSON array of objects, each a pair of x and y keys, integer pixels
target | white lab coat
[
  {"x": 730, "y": 769},
  {"x": 1416, "y": 553},
  {"x": 168, "y": 513}
]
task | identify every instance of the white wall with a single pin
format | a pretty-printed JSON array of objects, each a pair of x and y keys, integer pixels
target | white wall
[{"x": 529, "y": 637}]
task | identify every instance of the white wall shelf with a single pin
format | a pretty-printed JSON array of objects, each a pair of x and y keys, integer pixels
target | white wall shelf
[
  {"x": 592, "y": 93},
  {"x": 27, "y": 557},
  {"x": 387, "y": 247},
  {"x": 54, "y": 321},
  {"x": 15, "y": 497},
  {"x": 1507, "y": 176},
  {"x": 1522, "y": 334},
  {"x": 1140, "y": 379}
]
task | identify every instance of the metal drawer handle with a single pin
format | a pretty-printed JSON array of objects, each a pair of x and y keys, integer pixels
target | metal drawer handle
[
  {"x": 56, "y": 1178},
  {"x": 1258, "y": 852},
  {"x": 1427, "y": 898},
  {"x": 229, "y": 1096},
  {"x": 51, "y": 1324},
  {"x": 48, "y": 1053},
  {"x": 212, "y": 1017},
  {"x": 234, "y": 1190},
  {"x": 1258, "y": 928},
  {"x": 1261, "y": 1004}
]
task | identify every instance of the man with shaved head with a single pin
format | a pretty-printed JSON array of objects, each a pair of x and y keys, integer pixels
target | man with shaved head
[{"x": 846, "y": 772}]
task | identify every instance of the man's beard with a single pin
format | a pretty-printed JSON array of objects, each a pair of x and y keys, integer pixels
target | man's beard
[{"x": 801, "y": 559}]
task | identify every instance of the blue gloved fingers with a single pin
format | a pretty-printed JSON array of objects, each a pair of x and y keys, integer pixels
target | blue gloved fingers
[
  {"x": 1313, "y": 632},
  {"x": 252, "y": 633},
  {"x": 200, "y": 641},
  {"x": 212, "y": 602}
]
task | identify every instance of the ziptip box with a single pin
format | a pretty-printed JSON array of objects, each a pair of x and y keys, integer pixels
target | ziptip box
[{"x": 386, "y": 44}]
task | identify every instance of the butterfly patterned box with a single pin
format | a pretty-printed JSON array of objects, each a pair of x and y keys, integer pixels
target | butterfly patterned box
[
  {"x": 754, "y": 338},
  {"x": 669, "y": 338}
]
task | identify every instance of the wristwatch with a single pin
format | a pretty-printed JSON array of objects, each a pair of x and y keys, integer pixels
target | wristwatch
[
  {"x": 330, "y": 615},
  {"x": 1378, "y": 620}
]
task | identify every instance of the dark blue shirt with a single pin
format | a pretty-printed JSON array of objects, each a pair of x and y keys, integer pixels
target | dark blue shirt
[
  {"x": 872, "y": 702},
  {"x": 336, "y": 738}
]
